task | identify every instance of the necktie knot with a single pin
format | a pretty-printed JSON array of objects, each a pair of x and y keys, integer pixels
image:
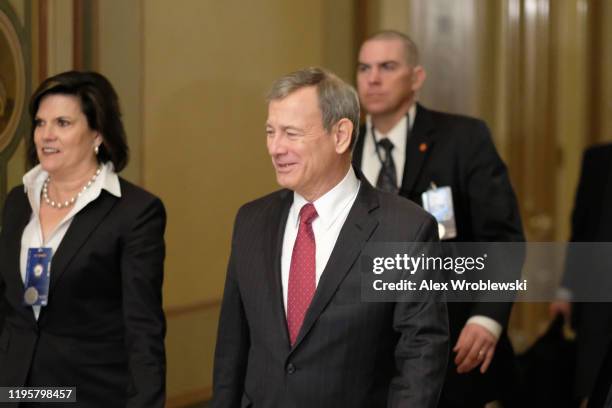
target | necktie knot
[
  {"x": 387, "y": 145},
  {"x": 308, "y": 213}
]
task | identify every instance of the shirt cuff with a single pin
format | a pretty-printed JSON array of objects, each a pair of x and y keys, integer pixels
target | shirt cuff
[{"x": 488, "y": 323}]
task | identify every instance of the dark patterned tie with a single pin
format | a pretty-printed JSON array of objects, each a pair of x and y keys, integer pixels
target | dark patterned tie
[
  {"x": 302, "y": 272},
  {"x": 387, "y": 178}
]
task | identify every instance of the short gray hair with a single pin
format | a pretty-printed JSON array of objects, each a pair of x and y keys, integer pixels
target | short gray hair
[
  {"x": 410, "y": 47},
  {"x": 337, "y": 99}
]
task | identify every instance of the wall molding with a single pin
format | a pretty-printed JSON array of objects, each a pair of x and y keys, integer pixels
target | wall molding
[
  {"x": 18, "y": 38},
  {"x": 189, "y": 398},
  {"x": 190, "y": 308}
]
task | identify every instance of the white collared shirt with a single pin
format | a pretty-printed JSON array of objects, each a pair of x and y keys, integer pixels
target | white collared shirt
[
  {"x": 32, "y": 234},
  {"x": 370, "y": 163},
  {"x": 332, "y": 209}
]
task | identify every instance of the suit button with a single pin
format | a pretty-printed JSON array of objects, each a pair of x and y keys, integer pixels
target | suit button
[{"x": 290, "y": 368}]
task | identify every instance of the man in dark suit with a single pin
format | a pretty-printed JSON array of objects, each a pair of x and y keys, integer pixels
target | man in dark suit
[
  {"x": 591, "y": 222},
  {"x": 293, "y": 330},
  {"x": 408, "y": 149}
]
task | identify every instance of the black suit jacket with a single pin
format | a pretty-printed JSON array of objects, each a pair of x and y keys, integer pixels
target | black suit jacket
[
  {"x": 103, "y": 328},
  {"x": 348, "y": 353},
  {"x": 592, "y": 222},
  {"x": 457, "y": 151}
]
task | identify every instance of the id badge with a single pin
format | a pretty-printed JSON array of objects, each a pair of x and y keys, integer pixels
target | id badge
[
  {"x": 37, "y": 277},
  {"x": 438, "y": 201}
]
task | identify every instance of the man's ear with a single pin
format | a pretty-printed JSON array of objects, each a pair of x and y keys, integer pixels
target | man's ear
[
  {"x": 418, "y": 77},
  {"x": 342, "y": 135}
]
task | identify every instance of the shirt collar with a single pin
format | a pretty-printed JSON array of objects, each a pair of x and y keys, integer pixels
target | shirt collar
[
  {"x": 109, "y": 180},
  {"x": 330, "y": 205},
  {"x": 397, "y": 134}
]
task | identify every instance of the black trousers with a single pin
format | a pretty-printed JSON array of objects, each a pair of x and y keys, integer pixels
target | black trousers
[{"x": 602, "y": 393}]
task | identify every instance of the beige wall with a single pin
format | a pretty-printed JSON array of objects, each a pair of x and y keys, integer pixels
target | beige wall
[
  {"x": 119, "y": 57},
  {"x": 605, "y": 59},
  {"x": 339, "y": 46},
  {"x": 205, "y": 75},
  {"x": 16, "y": 166},
  {"x": 60, "y": 36}
]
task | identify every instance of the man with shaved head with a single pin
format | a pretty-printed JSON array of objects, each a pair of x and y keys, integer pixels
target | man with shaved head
[{"x": 418, "y": 153}]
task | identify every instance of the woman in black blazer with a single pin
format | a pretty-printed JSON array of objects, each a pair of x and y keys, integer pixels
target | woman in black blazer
[{"x": 81, "y": 257}]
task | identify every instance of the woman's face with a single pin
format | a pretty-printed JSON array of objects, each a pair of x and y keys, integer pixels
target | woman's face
[{"x": 64, "y": 142}]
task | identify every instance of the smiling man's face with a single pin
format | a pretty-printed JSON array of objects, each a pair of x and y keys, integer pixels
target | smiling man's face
[{"x": 303, "y": 153}]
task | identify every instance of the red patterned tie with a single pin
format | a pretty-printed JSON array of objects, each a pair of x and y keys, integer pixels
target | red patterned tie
[{"x": 302, "y": 272}]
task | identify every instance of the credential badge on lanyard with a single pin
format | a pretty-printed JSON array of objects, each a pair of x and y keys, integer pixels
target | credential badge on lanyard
[
  {"x": 438, "y": 201},
  {"x": 37, "y": 277}
]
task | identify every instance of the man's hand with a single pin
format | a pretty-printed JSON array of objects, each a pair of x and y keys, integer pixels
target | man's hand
[
  {"x": 476, "y": 346},
  {"x": 561, "y": 307}
]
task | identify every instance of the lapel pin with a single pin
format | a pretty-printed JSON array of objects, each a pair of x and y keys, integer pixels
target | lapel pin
[{"x": 423, "y": 147}]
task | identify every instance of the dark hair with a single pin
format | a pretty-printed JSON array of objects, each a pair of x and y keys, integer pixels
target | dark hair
[{"x": 99, "y": 104}]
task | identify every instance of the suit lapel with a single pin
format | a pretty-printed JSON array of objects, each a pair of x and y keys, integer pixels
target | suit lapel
[
  {"x": 83, "y": 224},
  {"x": 418, "y": 145},
  {"x": 23, "y": 213},
  {"x": 606, "y": 219},
  {"x": 20, "y": 216},
  {"x": 276, "y": 233},
  {"x": 357, "y": 229}
]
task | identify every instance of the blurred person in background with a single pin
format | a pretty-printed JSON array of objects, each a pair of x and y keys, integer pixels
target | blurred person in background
[
  {"x": 413, "y": 151},
  {"x": 592, "y": 321}
]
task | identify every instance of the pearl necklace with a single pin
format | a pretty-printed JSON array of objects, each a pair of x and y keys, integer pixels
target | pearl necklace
[{"x": 67, "y": 203}]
